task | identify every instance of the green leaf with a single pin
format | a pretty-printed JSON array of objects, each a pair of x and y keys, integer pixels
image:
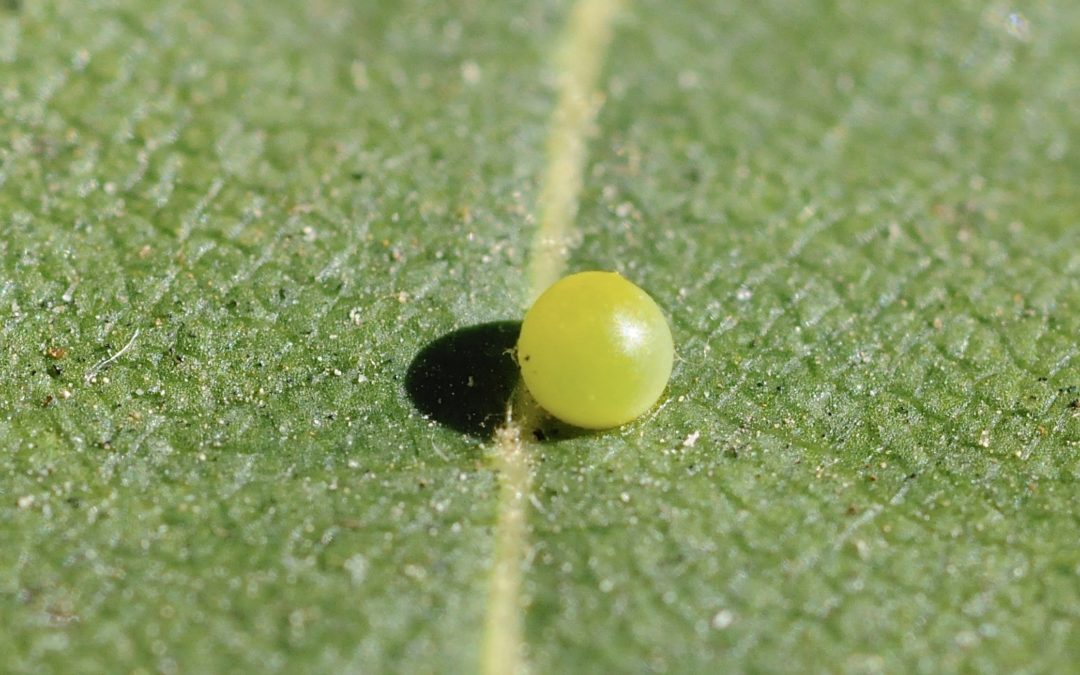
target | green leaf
[{"x": 227, "y": 230}]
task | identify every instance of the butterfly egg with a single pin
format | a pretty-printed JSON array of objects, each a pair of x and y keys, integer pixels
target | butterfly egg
[{"x": 595, "y": 350}]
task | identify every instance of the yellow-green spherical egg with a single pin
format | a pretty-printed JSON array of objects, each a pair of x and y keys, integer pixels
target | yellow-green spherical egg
[{"x": 595, "y": 350}]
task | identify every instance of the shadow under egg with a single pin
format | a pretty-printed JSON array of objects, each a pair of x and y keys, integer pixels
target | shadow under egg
[{"x": 465, "y": 378}]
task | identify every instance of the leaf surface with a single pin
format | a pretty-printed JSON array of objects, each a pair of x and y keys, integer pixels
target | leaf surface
[{"x": 228, "y": 230}]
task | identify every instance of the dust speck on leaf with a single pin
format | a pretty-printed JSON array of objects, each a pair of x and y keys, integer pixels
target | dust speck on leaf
[
  {"x": 723, "y": 619},
  {"x": 357, "y": 567}
]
